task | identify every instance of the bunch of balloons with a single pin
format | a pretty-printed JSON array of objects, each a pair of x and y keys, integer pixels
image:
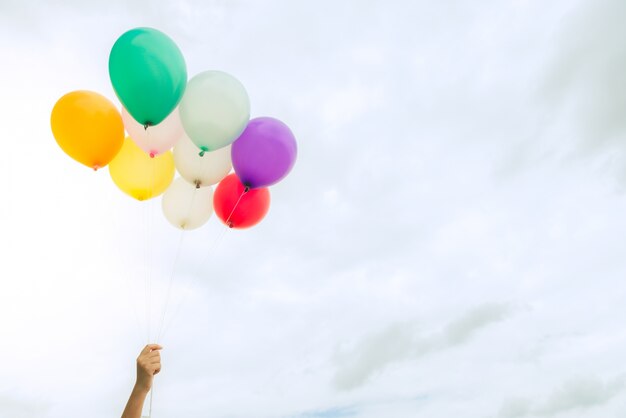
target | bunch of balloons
[{"x": 200, "y": 128}]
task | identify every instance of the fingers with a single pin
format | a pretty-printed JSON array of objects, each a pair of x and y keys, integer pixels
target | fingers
[
  {"x": 150, "y": 359},
  {"x": 153, "y": 364},
  {"x": 154, "y": 368},
  {"x": 151, "y": 347},
  {"x": 152, "y": 355},
  {"x": 149, "y": 368}
]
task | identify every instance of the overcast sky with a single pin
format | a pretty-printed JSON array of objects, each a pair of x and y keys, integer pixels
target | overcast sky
[{"x": 449, "y": 243}]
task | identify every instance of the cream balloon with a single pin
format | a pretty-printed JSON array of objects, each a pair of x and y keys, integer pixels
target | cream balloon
[
  {"x": 157, "y": 139},
  {"x": 198, "y": 170},
  {"x": 186, "y": 206}
]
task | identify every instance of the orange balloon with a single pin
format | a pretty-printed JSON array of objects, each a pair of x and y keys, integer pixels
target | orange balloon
[{"x": 88, "y": 127}]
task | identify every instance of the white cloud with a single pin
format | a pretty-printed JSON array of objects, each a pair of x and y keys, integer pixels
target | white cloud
[
  {"x": 582, "y": 393},
  {"x": 461, "y": 330},
  {"x": 580, "y": 97},
  {"x": 515, "y": 408},
  {"x": 401, "y": 342}
]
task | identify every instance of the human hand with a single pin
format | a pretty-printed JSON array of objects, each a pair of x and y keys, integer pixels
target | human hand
[{"x": 148, "y": 365}]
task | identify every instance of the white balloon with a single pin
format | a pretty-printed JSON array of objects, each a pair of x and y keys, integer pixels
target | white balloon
[
  {"x": 186, "y": 206},
  {"x": 157, "y": 139},
  {"x": 209, "y": 169}
]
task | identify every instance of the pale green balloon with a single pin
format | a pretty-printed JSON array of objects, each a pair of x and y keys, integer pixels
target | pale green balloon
[{"x": 214, "y": 110}]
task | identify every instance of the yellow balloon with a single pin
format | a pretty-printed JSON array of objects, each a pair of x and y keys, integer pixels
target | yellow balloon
[
  {"x": 139, "y": 175},
  {"x": 88, "y": 127}
]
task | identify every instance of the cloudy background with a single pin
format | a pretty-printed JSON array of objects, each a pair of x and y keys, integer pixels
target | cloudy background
[{"x": 449, "y": 243}]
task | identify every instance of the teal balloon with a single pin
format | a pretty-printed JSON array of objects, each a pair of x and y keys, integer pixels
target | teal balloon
[
  {"x": 148, "y": 74},
  {"x": 215, "y": 110}
]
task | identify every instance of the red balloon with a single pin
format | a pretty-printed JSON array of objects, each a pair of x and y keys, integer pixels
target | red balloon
[{"x": 240, "y": 207}]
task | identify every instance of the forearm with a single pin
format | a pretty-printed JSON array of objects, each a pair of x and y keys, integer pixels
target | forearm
[{"x": 134, "y": 406}]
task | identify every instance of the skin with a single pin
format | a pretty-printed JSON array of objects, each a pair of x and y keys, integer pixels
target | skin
[{"x": 148, "y": 365}]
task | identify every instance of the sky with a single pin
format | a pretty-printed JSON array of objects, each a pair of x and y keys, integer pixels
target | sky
[{"x": 449, "y": 242}]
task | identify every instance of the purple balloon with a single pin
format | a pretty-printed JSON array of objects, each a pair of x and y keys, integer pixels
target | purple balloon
[{"x": 264, "y": 153}]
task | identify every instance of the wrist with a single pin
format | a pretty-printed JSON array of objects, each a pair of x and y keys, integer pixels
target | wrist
[{"x": 141, "y": 389}]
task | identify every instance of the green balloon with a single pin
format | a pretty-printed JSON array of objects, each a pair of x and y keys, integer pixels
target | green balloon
[{"x": 148, "y": 74}]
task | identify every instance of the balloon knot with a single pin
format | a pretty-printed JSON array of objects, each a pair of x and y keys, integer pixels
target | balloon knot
[
  {"x": 197, "y": 183},
  {"x": 202, "y": 153},
  {"x": 230, "y": 224},
  {"x": 246, "y": 189},
  {"x": 147, "y": 125},
  {"x": 152, "y": 155}
]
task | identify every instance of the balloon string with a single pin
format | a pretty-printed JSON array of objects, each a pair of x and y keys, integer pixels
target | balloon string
[
  {"x": 149, "y": 260},
  {"x": 211, "y": 249},
  {"x": 152, "y": 244},
  {"x": 201, "y": 169},
  {"x": 176, "y": 258},
  {"x": 145, "y": 272},
  {"x": 169, "y": 287},
  {"x": 148, "y": 273},
  {"x": 194, "y": 277},
  {"x": 149, "y": 268},
  {"x": 150, "y": 404},
  {"x": 227, "y": 222}
]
